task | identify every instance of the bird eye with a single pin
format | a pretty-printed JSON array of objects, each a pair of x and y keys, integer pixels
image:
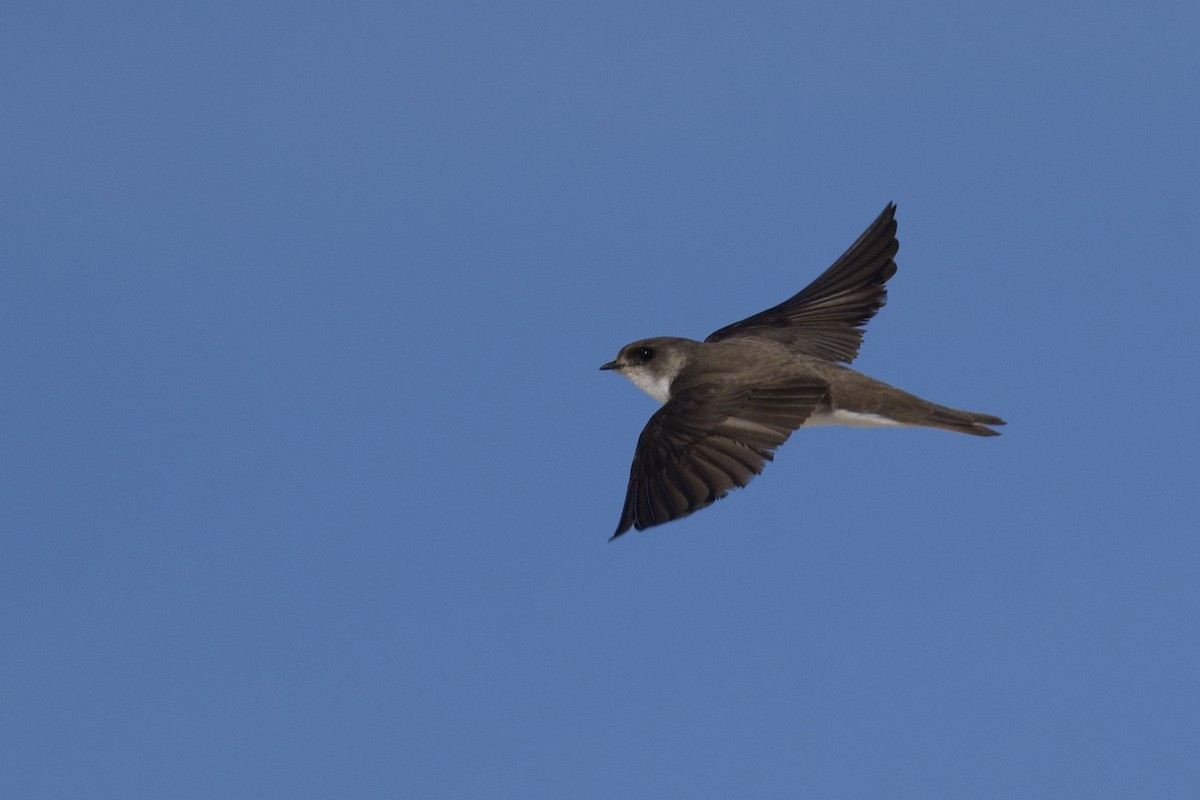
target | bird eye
[{"x": 644, "y": 354}]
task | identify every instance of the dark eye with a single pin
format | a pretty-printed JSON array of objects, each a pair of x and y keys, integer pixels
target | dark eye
[{"x": 644, "y": 354}]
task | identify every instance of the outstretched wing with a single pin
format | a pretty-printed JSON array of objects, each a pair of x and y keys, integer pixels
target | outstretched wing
[
  {"x": 705, "y": 442},
  {"x": 826, "y": 319}
]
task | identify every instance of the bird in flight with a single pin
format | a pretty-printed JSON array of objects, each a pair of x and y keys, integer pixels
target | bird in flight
[{"x": 731, "y": 400}]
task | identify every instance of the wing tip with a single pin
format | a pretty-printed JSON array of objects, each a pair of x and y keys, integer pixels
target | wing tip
[{"x": 627, "y": 521}]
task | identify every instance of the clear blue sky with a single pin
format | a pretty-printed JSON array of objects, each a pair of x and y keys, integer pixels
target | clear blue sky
[{"x": 308, "y": 471}]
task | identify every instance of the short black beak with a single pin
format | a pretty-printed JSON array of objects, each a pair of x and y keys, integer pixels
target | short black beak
[{"x": 610, "y": 365}]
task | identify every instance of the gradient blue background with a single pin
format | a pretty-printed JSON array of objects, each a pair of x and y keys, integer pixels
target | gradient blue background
[{"x": 308, "y": 470}]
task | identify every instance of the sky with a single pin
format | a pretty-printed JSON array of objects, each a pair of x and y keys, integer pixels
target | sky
[{"x": 307, "y": 471}]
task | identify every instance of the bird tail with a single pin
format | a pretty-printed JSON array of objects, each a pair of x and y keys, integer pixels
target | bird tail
[{"x": 959, "y": 421}]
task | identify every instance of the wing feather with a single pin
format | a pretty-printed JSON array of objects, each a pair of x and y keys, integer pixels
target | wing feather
[
  {"x": 707, "y": 441},
  {"x": 827, "y": 318}
]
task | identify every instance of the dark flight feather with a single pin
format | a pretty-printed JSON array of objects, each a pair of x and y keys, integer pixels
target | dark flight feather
[
  {"x": 706, "y": 441},
  {"x": 826, "y": 319}
]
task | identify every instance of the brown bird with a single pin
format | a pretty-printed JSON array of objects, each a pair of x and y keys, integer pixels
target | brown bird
[{"x": 731, "y": 400}]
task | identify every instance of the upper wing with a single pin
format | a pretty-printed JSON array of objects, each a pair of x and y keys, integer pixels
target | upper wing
[
  {"x": 827, "y": 317},
  {"x": 705, "y": 442}
]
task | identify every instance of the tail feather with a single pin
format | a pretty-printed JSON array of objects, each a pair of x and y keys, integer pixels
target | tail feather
[
  {"x": 874, "y": 402},
  {"x": 953, "y": 419}
]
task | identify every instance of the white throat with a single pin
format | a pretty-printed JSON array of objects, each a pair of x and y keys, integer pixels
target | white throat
[{"x": 657, "y": 386}]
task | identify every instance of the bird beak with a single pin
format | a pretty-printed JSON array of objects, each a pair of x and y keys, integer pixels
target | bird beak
[{"x": 610, "y": 365}]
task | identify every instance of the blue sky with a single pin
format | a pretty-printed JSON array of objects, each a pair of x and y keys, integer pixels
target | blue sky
[{"x": 308, "y": 470}]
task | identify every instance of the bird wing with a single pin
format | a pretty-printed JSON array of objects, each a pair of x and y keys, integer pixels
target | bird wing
[
  {"x": 826, "y": 319},
  {"x": 708, "y": 440}
]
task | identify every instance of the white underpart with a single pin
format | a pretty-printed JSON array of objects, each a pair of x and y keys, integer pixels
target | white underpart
[
  {"x": 657, "y": 386},
  {"x": 853, "y": 419}
]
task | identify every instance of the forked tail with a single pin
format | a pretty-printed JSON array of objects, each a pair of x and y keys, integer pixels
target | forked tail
[{"x": 953, "y": 419}]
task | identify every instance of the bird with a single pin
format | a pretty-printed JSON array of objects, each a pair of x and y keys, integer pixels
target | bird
[{"x": 730, "y": 401}]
